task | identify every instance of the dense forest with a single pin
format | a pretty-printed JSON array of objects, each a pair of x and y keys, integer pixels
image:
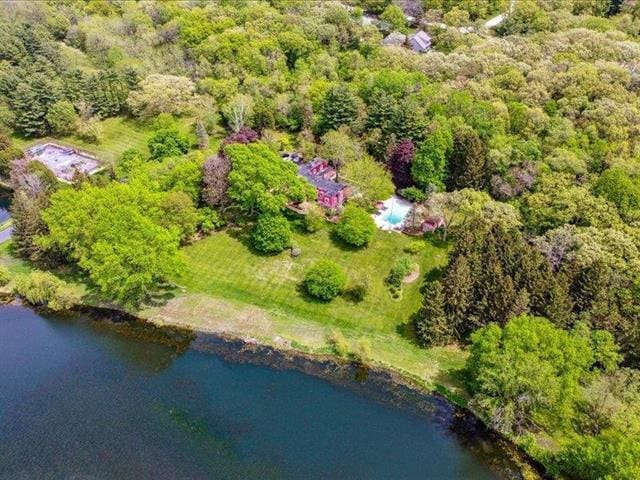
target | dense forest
[{"x": 523, "y": 139}]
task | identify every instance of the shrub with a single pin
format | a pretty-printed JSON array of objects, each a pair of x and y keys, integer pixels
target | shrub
[
  {"x": 339, "y": 343},
  {"x": 356, "y": 227},
  {"x": 325, "y": 280},
  {"x": 89, "y": 130},
  {"x": 64, "y": 298},
  {"x": 4, "y": 275},
  {"x": 61, "y": 117},
  {"x": 45, "y": 290},
  {"x": 130, "y": 160},
  {"x": 8, "y": 153},
  {"x": 271, "y": 234},
  {"x": 414, "y": 194},
  {"x": 400, "y": 269},
  {"x": 37, "y": 287},
  {"x": 314, "y": 220},
  {"x": 209, "y": 220},
  {"x": 167, "y": 142},
  {"x": 415, "y": 247}
]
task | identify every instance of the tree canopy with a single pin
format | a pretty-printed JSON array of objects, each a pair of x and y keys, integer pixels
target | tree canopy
[
  {"x": 262, "y": 182},
  {"x": 114, "y": 234}
]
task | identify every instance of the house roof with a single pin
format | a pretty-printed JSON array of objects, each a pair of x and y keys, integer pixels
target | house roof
[
  {"x": 328, "y": 186},
  {"x": 422, "y": 39}
]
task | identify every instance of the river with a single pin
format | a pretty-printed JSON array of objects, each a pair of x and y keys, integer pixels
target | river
[{"x": 80, "y": 400}]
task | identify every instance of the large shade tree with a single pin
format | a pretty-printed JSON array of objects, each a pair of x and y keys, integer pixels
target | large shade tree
[
  {"x": 116, "y": 235},
  {"x": 529, "y": 372},
  {"x": 262, "y": 182}
]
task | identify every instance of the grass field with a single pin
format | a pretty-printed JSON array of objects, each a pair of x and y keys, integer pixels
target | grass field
[{"x": 223, "y": 264}]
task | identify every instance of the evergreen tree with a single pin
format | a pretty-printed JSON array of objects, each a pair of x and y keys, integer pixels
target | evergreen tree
[
  {"x": 411, "y": 120},
  {"x": 431, "y": 323},
  {"x": 106, "y": 92},
  {"x": 467, "y": 161},
  {"x": 73, "y": 85},
  {"x": 596, "y": 298},
  {"x": 130, "y": 78},
  {"x": 339, "y": 107},
  {"x": 458, "y": 287},
  {"x": 496, "y": 291},
  {"x": 31, "y": 102},
  {"x": 559, "y": 308},
  {"x": 382, "y": 112},
  {"x": 27, "y": 223}
]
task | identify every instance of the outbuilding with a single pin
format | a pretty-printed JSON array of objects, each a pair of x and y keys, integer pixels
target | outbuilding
[{"x": 420, "y": 42}]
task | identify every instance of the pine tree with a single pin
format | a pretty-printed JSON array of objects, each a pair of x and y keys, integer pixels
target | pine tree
[
  {"x": 73, "y": 85},
  {"x": 130, "y": 78},
  {"x": 458, "y": 287},
  {"x": 497, "y": 293},
  {"x": 528, "y": 268},
  {"x": 467, "y": 161},
  {"x": 559, "y": 308},
  {"x": 431, "y": 323},
  {"x": 27, "y": 224},
  {"x": 338, "y": 108},
  {"x": 596, "y": 299},
  {"x": 31, "y": 102},
  {"x": 381, "y": 112},
  {"x": 411, "y": 121}
]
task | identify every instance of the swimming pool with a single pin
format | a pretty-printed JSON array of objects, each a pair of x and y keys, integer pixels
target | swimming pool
[{"x": 392, "y": 214}]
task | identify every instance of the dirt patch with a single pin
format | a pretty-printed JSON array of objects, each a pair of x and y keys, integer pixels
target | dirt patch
[
  {"x": 208, "y": 314},
  {"x": 413, "y": 276}
]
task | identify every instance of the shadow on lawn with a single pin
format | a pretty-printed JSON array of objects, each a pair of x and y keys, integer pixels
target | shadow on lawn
[
  {"x": 454, "y": 376},
  {"x": 407, "y": 330},
  {"x": 157, "y": 298},
  {"x": 243, "y": 235},
  {"x": 342, "y": 245},
  {"x": 304, "y": 295}
]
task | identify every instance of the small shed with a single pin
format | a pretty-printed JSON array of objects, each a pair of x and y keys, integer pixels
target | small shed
[
  {"x": 395, "y": 39},
  {"x": 420, "y": 42},
  {"x": 432, "y": 224}
]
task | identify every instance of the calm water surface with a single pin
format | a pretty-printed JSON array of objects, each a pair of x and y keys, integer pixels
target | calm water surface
[
  {"x": 5, "y": 202},
  {"x": 77, "y": 401}
]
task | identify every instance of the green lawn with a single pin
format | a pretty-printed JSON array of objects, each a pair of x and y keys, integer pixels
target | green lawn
[
  {"x": 225, "y": 266},
  {"x": 227, "y": 288},
  {"x": 11, "y": 262}
]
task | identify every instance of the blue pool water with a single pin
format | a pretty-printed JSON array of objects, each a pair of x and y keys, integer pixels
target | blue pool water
[
  {"x": 396, "y": 212},
  {"x": 395, "y": 217}
]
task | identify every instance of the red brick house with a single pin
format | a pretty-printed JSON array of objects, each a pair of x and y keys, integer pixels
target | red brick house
[{"x": 319, "y": 173}]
